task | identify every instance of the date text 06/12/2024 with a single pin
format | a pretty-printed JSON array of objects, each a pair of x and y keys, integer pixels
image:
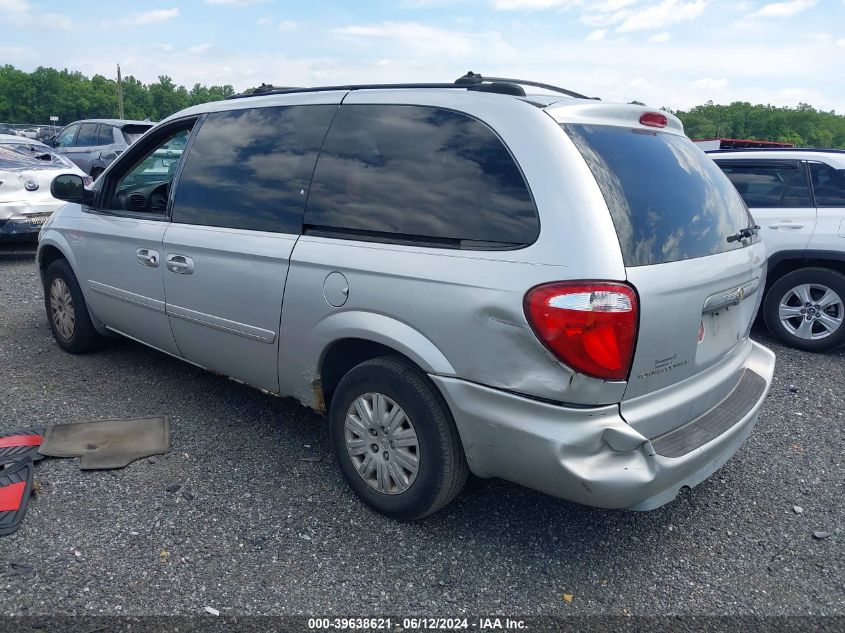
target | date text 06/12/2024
[{"x": 418, "y": 624}]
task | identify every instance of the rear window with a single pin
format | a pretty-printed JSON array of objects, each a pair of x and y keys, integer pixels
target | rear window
[
  {"x": 421, "y": 175},
  {"x": 668, "y": 200},
  {"x": 87, "y": 135},
  {"x": 770, "y": 185}
]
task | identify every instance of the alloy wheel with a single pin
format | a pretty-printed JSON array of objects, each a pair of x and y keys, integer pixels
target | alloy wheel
[{"x": 811, "y": 311}]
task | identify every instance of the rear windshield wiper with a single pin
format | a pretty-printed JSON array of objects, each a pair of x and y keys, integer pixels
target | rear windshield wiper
[{"x": 744, "y": 234}]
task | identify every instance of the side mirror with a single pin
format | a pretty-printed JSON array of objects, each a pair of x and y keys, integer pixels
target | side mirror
[
  {"x": 50, "y": 140},
  {"x": 71, "y": 188}
]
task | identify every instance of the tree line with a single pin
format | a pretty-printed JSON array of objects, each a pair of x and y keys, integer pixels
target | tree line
[
  {"x": 33, "y": 97},
  {"x": 36, "y": 96}
]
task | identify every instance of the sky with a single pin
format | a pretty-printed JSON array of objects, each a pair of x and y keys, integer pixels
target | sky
[{"x": 666, "y": 53}]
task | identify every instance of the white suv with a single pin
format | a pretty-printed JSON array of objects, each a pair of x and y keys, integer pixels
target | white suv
[{"x": 798, "y": 198}]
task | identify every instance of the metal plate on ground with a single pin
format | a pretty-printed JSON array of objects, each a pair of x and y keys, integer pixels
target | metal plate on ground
[{"x": 108, "y": 443}]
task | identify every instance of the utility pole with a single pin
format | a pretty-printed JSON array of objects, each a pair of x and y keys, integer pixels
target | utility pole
[{"x": 119, "y": 94}]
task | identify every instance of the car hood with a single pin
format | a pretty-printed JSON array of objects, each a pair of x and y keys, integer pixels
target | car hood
[{"x": 30, "y": 156}]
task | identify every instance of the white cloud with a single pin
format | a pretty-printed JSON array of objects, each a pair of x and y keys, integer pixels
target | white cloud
[
  {"x": 659, "y": 15},
  {"x": 660, "y": 37},
  {"x": 288, "y": 25},
  {"x": 263, "y": 21},
  {"x": 783, "y": 9},
  {"x": 533, "y": 5},
  {"x": 712, "y": 84},
  {"x": 596, "y": 35},
  {"x": 150, "y": 17},
  {"x": 20, "y": 14},
  {"x": 840, "y": 43},
  {"x": 199, "y": 48},
  {"x": 422, "y": 39}
]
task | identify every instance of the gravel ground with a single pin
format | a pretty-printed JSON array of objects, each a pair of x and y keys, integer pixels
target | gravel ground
[{"x": 249, "y": 514}]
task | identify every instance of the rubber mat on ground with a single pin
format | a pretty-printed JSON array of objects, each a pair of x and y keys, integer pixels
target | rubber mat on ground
[
  {"x": 108, "y": 443},
  {"x": 15, "y": 487},
  {"x": 21, "y": 444}
]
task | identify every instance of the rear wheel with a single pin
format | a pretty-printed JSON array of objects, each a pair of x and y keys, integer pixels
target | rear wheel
[
  {"x": 395, "y": 440},
  {"x": 806, "y": 309},
  {"x": 66, "y": 310}
]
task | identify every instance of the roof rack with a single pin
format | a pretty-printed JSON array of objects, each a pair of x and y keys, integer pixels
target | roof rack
[
  {"x": 774, "y": 149},
  {"x": 470, "y": 81}
]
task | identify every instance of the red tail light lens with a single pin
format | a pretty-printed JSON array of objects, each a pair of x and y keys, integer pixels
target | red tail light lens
[
  {"x": 654, "y": 119},
  {"x": 590, "y": 326}
]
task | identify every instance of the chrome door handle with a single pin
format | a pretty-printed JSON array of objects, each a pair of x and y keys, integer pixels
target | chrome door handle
[
  {"x": 147, "y": 257},
  {"x": 180, "y": 264},
  {"x": 787, "y": 224}
]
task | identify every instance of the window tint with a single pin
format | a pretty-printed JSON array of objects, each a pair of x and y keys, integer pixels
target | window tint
[
  {"x": 828, "y": 185},
  {"x": 250, "y": 169},
  {"x": 87, "y": 135},
  {"x": 420, "y": 172},
  {"x": 66, "y": 137},
  {"x": 106, "y": 135},
  {"x": 769, "y": 185},
  {"x": 668, "y": 200}
]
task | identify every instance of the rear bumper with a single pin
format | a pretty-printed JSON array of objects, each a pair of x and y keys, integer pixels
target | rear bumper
[{"x": 591, "y": 455}]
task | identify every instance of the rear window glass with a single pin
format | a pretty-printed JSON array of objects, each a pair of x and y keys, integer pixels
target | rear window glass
[
  {"x": 771, "y": 185},
  {"x": 105, "y": 136},
  {"x": 828, "y": 185},
  {"x": 87, "y": 135},
  {"x": 668, "y": 200},
  {"x": 420, "y": 174}
]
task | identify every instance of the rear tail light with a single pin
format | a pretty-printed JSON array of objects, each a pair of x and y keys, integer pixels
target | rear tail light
[
  {"x": 654, "y": 119},
  {"x": 590, "y": 326}
]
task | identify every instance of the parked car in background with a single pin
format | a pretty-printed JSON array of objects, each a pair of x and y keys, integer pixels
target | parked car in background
[
  {"x": 556, "y": 291},
  {"x": 26, "y": 170},
  {"x": 798, "y": 198},
  {"x": 94, "y": 143}
]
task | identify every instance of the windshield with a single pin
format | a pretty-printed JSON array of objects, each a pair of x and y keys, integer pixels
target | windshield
[{"x": 668, "y": 201}]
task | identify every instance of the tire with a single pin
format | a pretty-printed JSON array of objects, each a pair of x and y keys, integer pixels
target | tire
[
  {"x": 390, "y": 487},
  {"x": 67, "y": 312},
  {"x": 824, "y": 330}
]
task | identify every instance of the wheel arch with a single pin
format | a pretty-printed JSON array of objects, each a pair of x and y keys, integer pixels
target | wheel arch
[
  {"x": 785, "y": 262},
  {"x": 357, "y": 337}
]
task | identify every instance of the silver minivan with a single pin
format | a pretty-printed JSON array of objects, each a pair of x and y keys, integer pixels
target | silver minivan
[{"x": 464, "y": 277}]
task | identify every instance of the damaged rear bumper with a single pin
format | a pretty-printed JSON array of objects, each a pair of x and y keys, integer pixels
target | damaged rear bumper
[{"x": 586, "y": 455}]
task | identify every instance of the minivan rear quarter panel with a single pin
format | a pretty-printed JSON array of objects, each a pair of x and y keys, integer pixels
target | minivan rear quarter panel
[{"x": 473, "y": 312}]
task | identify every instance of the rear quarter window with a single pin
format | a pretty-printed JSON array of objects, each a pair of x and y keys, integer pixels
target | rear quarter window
[
  {"x": 668, "y": 200},
  {"x": 419, "y": 174}
]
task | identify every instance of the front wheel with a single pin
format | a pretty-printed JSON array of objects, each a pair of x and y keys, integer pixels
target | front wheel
[
  {"x": 66, "y": 310},
  {"x": 395, "y": 440},
  {"x": 805, "y": 309}
]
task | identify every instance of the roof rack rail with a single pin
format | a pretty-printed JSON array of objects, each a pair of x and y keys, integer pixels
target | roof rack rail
[
  {"x": 775, "y": 149},
  {"x": 470, "y": 81},
  {"x": 475, "y": 79}
]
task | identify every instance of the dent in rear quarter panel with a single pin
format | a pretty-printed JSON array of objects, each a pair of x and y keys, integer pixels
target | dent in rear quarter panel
[{"x": 453, "y": 314}]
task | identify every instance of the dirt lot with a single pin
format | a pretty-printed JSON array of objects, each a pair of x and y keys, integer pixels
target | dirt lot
[{"x": 249, "y": 515}]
